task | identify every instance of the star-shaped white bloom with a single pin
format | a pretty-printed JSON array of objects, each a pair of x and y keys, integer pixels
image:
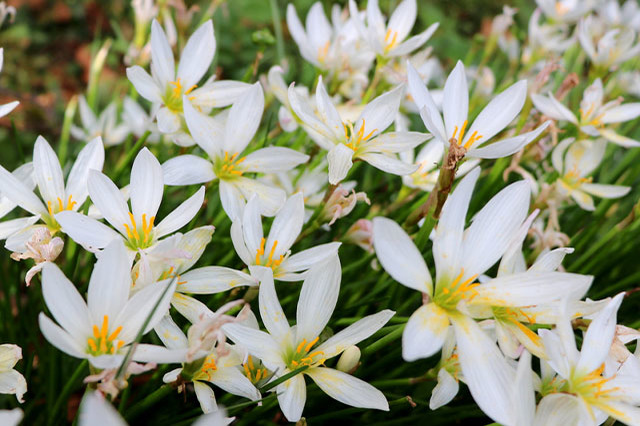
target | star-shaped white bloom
[{"x": 103, "y": 125}]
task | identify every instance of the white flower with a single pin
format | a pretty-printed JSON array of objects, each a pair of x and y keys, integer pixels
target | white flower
[
  {"x": 138, "y": 121},
  {"x": 274, "y": 250},
  {"x": 41, "y": 247},
  {"x": 285, "y": 349},
  {"x": 389, "y": 39},
  {"x": 55, "y": 196},
  {"x": 23, "y": 174},
  {"x": 11, "y": 381},
  {"x": 594, "y": 116},
  {"x": 580, "y": 390},
  {"x": 104, "y": 125},
  {"x": 135, "y": 227},
  {"x": 500, "y": 111},
  {"x": 613, "y": 48},
  {"x": 460, "y": 257},
  {"x": 101, "y": 329},
  {"x": 167, "y": 87},
  {"x": 544, "y": 38},
  {"x": 6, "y": 108},
  {"x": 626, "y": 16},
  {"x": 363, "y": 139},
  {"x": 577, "y": 160},
  {"x": 565, "y": 10},
  {"x": 224, "y": 143}
]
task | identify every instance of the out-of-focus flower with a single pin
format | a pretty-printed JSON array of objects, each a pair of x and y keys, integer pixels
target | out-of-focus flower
[
  {"x": 627, "y": 15},
  {"x": 11, "y": 381},
  {"x": 103, "y": 126},
  {"x": 101, "y": 329},
  {"x": 500, "y": 111},
  {"x": 565, "y": 10},
  {"x": 285, "y": 349},
  {"x": 41, "y": 247},
  {"x": 546, "y": 38},
  {"x": 388, "y": 39},
  {"x": 6, "y": 108},
  {"x": 274, "y": 251},
  {"x": 613, "y": 48},
  {"x": 341, "y": 202},
  {"x": 136, "y": 226},
  {"x": 577, "y": 160},
  {"x": 138, "y": 121},
  {"x": 224, "y": 144}
]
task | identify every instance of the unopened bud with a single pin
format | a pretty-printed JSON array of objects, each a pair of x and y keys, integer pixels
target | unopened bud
[{"x": 349, "y": 359}]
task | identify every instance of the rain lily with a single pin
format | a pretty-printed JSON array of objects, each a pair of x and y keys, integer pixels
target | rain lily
[
  {"x": 167, "y": 87},
  {"x": 594, "y": 116},
  {"x": 101, "y": 329},
  {"x": 581, "y": 393},
  {"x": 41, "y": 247},
  {"x": 138, "y": 121},
  {"x": 6, "y": 108},
  {"x": 575, "y": 161},
  {"x": 565, "y": 10},
  {"x": 23, "y": 174},
  {"x": 11, "y": 381},
  {"x": 500, "y": 111},
  {"x": 55, "y": 196},
  {"x": 363, "y": 139},
  {"x": 390, "y": 39},
  {"x": 613, "y": 48},
  {"x": 274, "y": 251},
  {"x": 341, "y": 202},
  {"x": 135, "y": 227},
  {"x": 103, "y": 125},
  {"x": 460, "y": 257},
  {"x": 225, "y": 144},
  {"x": 285, "y": 349}
]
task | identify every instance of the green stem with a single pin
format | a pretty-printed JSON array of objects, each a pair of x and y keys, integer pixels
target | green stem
[
  {"x": 149, "y": 401},
  {"x": 283, "y": 379},
  {"x": 390, "y": 337},
  {"x": 277, "y": 27},
  {"x": 69, "y": 113}
]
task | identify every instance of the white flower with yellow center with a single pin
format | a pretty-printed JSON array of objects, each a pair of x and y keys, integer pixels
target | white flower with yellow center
[
  {"x": 453, "y": 122},
  {"x": 55, "y": 195},
  {"x": 224, "y": 143},
  {"x": 362, "y": 139},
  {"x": 11, "y": 381},
  {"x": 575, "y": 161},
  {"x": 581, "y": 393},
  {"x": 101, "y": 329},
  {"x": 166, "y": 88},
  {"x": 612, "y": 48},
  {"x": 285, "y": 349},
  {"x": 595, "y": 117},
  {"x": 274, "y": 251},
  {"x": 390, "y": 39},
  {"x": 135, "y": 227},
  {"x": 460, "y": 257}
]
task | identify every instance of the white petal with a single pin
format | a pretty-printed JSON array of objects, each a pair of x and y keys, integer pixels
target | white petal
[
  {"x": 318, "y": 299},
  {"x": 621, "y": 113},
  {"x": 414, "y": 42},
  {"x": 380, "y": 112},
  {"x": 583, "y": 200},
  {"x": 292, "y": 394},
  {"x": 7, "y": 108},
  {"x": 207, "y": 131},
  {"x": 348, "y": 389},
  {"x": 551, "y": 260},
  {"x": 304, "y": 111},
  {"x": 187, "y": 170},
  {"x": 286, "y": 225},
  {"x": 561, "y": 409},
  {"x": 252, "y": 225},
  {"x": 12, "y": 382},
  {"x": 170, "y": 334},
  {"x": 389, "y": 164},
  {"x": 273, "y": 159},
  {"x": 355, "y": 333},
  {"x": 90, "y": 158},
  {"x": 509, "y": 146},
  {"x": 299, "y": 35},
  {"x": 95, "y": 406},
  {"x": 144, "y": 84},
  {"x": 59, "y": 338},
  {"x": 12, "y": 188},
  {"x": 327, "y": 111},
  {"x": 271, "y": 312},
  {"x": 168, "y": 121},
  {"x": 162, "y": 61},
  {"x": 47, "y": 172},
  {"x": 425, "y": 332},
  {"x": 403, "y": 18},
  {"x": 339, "y": 163},
  {"x": 455, "y": 104},
  {"x": 244, "y": 119},
  {"x": 393, "y": 142},
  {"x": 181, "y": 215},
  {"x": 197, "y": 55},
  {"x": 425, "y": 103},
  {"x": 109, "y": 200},
  {"x": 219, "y": 93},
  {"x": 190, "y": 308},
  {"x": 146, "y": 185},
  {"x": 552, "y": 108},
  {"x": 231, "y": 380},
  {"x": 87, "y": 232},
  {"x": 159, "y": 354},
  {"x": 605, "y": 191},
  {"x": 446, "y": 389},
  {"x": 206, "y": 397},
  {"x": 239, "y": 245},
  {"x": 232, "y": 200},
  {"x": 213, "y": 279},
  {"x": 271, "y": 198},
  {"x": 258, "y": 343},
  {"x": 399, "y": 256},
  {"x": 624, "y": 141},
  {"x": 10, "y": 227},
  {"x": 307, "y": 258}
]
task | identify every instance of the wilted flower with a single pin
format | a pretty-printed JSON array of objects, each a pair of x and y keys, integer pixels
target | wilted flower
[
  {"x": 11, "y": 381},
  {"x": 41, "y": 247},
  {"x": 341, "y": 202}
]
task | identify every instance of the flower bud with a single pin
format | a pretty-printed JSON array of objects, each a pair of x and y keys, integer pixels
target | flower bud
[{"x": 349, "y": 359}]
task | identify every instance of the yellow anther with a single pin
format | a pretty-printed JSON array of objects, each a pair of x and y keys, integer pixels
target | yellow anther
[
  {"x": 301, "y": 346},
  {"x": 260, "y": 251},
  {"x": 323, "y": 51},
  {"x": 136, "y": 239},
  {"x": 115, "y": 334},
  {"x": 311, "y": 343},
  {"x": 92, "y": 345},
  {"x": 390, "y": 40},
  {"x": 250, "y": 362},
  {"x": 474, "y": 137},
  {"x": 460, "y": 137}
]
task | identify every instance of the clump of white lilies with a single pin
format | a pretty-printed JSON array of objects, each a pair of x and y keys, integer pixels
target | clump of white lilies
[{"x": 199, "y": 216}]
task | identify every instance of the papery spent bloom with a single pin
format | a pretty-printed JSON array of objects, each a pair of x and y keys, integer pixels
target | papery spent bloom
[
  {"x": 595, "y": 117},
  {"x": 224, "y": 143},
  {"x": 102, "y": 328},
  {"x": 461, "y": 256},
  {"x": 284, "y": 349},
  {"x": 362, "y": 139},
  {"x": 41, "y": 247},
  {"x": 581, "y": 392},
  {"x": 174, "y": 257},
  {"x": 565, "y": 10},
  {"x": 500, "y": 111},
  {"x": 610, "y": 49},
  {"x": 11, "y": 382},
  {"x": 103, "y": 125},
  {"x": 108, "y": 381},
  {"x": 575, "y": 161},
  {"x": 390, "y": 39},
  {"x": 274, "y": 251},
  {"x": 136, "y": 226},
  {"x": 167, "y": 87},
  {"x": 219, "y": 364},
  {"x": 6, "y": 108},
  {"x": 340, "y": 203},
  {"x": 55, "y": 195}
]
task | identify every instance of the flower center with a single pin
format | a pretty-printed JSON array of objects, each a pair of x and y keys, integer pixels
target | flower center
[
  {"x": 474, "y": 136},
  {"x": 57, "y": 207},
  {"x": 573, "y": 180},
  {"x": 139, "y": 237},
  {"x": 173, "y": 95},
  {"x": 592, "y": 387},
  {"x": 323, "y": 52},
  {"x": 355, "y": 139},
  {"x": 209, "y": 366},
  {"x": 229, "y": 168},
  {"x": 303, "y": 357},
  {"x": 448, "y": 296},
  {"x": 390, "y": 40},
  {"x": 169, "y": 273},
  {"x": 269, "y": 262},
  {"x": 255, "y": 373},
  {"x": 102, "y": 342}
]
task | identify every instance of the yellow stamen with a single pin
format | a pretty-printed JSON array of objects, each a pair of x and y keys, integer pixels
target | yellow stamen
[
  {"x": 115, "y": 334},
  {"x": 301, "y": 346},
  {"x": 260, "y": 251},
  {"x": 310, "y": 345}
]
